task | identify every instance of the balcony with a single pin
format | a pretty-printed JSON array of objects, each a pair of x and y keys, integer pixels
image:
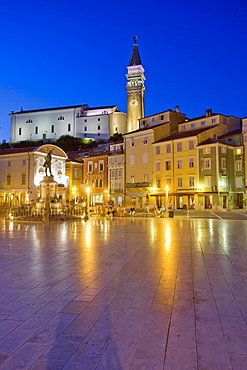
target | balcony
[
  {"x": 116, "y": 191},
  {"x": 138, "y": 185}
]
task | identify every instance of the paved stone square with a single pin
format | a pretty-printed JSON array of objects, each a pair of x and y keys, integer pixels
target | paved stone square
[{"x": 124, "y": 294}]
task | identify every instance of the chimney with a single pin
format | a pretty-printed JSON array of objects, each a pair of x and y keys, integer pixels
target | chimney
[{"x": 208, "y": 112}]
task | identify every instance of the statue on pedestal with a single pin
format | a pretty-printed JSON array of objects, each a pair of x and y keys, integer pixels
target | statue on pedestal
[{"x": 47, "y": 163}]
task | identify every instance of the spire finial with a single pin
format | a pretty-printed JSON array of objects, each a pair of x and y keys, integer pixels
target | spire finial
[{"x": 135, "y": 40}]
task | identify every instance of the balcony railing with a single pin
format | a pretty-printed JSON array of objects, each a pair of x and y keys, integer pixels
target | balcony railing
[
  {"x": 116, "y": 191},
  {"x": 138, "y": 185}
]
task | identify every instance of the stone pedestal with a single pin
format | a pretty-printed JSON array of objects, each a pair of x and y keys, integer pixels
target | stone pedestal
[{"x": 48, "y": 194}]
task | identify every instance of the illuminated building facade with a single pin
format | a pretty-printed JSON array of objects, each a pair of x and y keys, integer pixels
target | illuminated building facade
[
  {"x": 139, "y": 155},
  {"x": 22, "y": 171},
  {"x": 74, "y": 173},
  {"x": 197, "y": 163},
  {"x": 116, "y": 171},
  {"x": 95, "y": 178},
  {"x": 78, "y": 121}
]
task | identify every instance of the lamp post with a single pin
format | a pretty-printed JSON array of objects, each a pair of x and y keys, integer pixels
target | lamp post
[
  {"x": 88, "y": 203},
  {"x": 167, "y": 191}
]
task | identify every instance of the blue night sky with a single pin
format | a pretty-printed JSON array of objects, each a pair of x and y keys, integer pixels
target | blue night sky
[{"x": 61, "y": 53}]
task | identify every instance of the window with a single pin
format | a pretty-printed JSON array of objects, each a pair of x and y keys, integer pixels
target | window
[
  {"x": 157, "y": 165},
  {"x": 145, "y": 177},
  {"x": 116, "y": 129},
  {"x": 179, "y": 164},
  {"x": 223, "y": 163},
  {"x": 183, "y": 127},
  {"x": 85, "y": 128},
  {"x": 207, "y": 181},
  {"x": 213, "y": 120},
  {"x": 157, "y": 150},
  {"x": 9, "y": 163},
  {"x": 238, "y": 151},
  {"x": 36, "y": 130},
  {"x": 238, "y": 166},
  {"x": 132, "y": 143},
  {"x": 93, "y": 183},
  {"x": 23, "y": 179},
  {"x": 101, "y": 166},
  {"x": 8, "y": 179},
  {"x": 223, "y": 181},
  {"x": 191, "y": 162},
  {"x": 168, "y": 181},
  {"x": 75, "y": 172},
  {"x": 132, "y": 159},
  {"x": 24, "y": 162},
  {"x": 192, "y": 125},
  {"x": 239, "y": 182},
  {"x": 98, "y": 119},
  {"x": 144, "y": 157},
  {"x": 158, "y": 183},
  {"x": 191, "y": 145},
  {"x": 203, "y": 123},
  {"x": 145, "y": 140},
  {"x": 29, "y": 121},
  {"x": 85, "y": 120},
  {"x": 100, "y": 183},
  {"x": 98, "y": 127},
  {"x": 207, "y": 150},
  {"x": 207, "y": 163},
  {"x": 168, "y": 148},
  {"x": 223, "y": 149},
  {"x": 112, "y": 174},
  {"x": 132, "y": 179},
  {"x": 179, "y": 147},
  {"x": 90, "y": 167},
  {"x": 191, "y": 181},
  {"x": 69, "y": 127},
  {"x": 20, "y": 131},
  {"x": 60, "y": 118},
  {"x": 52, "y": 129},
  {"x": 162, "y": 117},
  {"x": 180, "y": 182},
  {"x": 168, "y": 165}
]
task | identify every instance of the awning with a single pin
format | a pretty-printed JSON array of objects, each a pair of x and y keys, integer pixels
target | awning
[{"x": 136, "y": 194}]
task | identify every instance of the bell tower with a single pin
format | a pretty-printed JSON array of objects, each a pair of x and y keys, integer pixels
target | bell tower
[{"x": 135, "y": 89}]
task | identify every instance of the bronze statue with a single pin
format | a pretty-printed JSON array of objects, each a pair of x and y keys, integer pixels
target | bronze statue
[{"x": 47, "y": 163}]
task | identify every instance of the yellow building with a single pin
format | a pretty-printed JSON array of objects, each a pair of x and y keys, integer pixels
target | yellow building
[
  {"x": 74, "y": 172},
  {"x": 176, "y": 160},
  {"x": 139, "y": 156}
]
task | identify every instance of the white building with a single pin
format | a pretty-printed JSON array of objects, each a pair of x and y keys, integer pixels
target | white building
[
  {"x": 79, "y": 121},
  {"x": 22, "y": 170}
]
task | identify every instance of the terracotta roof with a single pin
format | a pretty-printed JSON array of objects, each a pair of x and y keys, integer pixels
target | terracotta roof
[
  {"x": 208, "y": 141},
  {"x": 158, "y": 114},
  {"x": 184, "y": 134},
  {"x": 18, "y": 150},
  {"x": 232, "y": 133}
]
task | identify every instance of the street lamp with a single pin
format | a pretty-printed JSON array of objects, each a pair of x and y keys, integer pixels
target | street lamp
[
  {"x": 88, "y": 204},
  {"x": 167, "y": 191}
]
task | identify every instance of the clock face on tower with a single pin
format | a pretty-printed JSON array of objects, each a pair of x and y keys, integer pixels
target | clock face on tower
[{"x": 134, "y": 102}]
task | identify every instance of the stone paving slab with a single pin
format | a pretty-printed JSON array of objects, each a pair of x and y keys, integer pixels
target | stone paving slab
[{"x": 122, "y": 293}]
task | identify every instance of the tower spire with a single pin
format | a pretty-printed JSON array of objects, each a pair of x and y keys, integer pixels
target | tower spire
[{"x": 135, "y": 59}]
